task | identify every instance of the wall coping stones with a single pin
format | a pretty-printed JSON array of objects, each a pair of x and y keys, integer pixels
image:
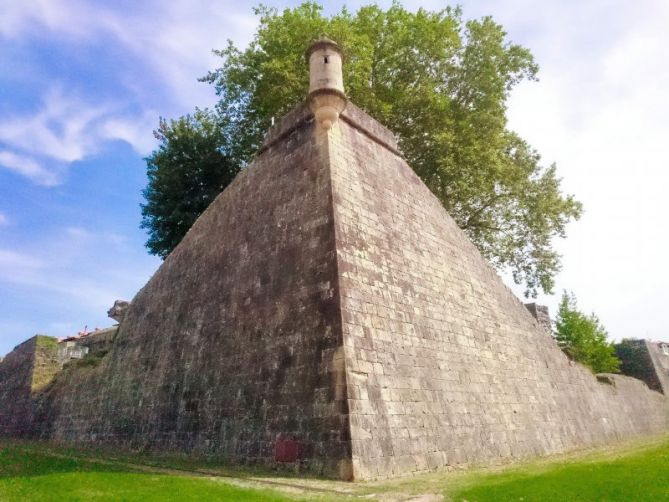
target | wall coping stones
[{"x": 352, "y": 115}]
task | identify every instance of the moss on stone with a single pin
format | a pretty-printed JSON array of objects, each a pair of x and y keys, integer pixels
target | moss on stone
[
  {"x": 46, "y": 341},
  {"x": 45, "y": 366}
]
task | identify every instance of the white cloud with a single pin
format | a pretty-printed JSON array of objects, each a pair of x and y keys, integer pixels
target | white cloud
[
  {"x": 66, "y": 129},
  {"x": 4, "y": 220},
  {"x": 171, "y": 46},
  {"x": 28, "y": 167},
  {"x": 180, "y": 45},
  {"x": 83, "y": 236},
  {"x": 12, "y": 262},
  {"x": 60, "y": 129},
  {"x": 136, "y": 131},
  {"x": 174, "y": 39}
]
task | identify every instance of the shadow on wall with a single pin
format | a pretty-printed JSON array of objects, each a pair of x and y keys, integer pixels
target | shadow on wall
[{"x": 646, "y": 360}]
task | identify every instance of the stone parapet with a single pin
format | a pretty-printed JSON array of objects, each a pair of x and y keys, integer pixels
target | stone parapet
[
  {"x": 542, "y": 316},
  {"x": 290, "y": 122},
  {"x": 363, "y": 122}
]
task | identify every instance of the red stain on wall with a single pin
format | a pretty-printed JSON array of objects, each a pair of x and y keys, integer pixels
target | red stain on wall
[{"x": 286, "y": 450}]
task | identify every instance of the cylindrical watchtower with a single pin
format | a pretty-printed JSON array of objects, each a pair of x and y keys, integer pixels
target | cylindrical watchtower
[{"x": 326, "y": 84}]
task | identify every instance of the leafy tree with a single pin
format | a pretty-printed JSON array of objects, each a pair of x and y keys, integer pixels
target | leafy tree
[
  {"x": 583, "y": 338},
  {"x": 187, "y": 171},
  {"x": 441, "y": 84}
]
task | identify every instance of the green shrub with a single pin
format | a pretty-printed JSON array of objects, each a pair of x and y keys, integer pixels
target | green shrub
[{"x": 583, "y": 338}]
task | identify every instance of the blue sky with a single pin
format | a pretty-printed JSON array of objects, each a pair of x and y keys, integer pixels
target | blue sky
[{"x": 82, "y": 85}]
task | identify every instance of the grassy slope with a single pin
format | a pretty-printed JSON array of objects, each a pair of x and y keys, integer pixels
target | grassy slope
[
  {"x": 641, "y": 475},
  {"x": 26, "y": 475},
  {"x": 636, "y": 471}
]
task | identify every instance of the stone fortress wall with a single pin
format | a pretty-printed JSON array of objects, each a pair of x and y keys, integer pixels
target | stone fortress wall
[{"x": 325, "y": 312}]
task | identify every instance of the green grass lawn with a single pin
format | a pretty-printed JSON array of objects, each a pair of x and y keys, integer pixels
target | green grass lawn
[
  {"x": 26, "y": 475},
  {"x": 637, "y": 475},
  {"x": 630, "y": 472}
]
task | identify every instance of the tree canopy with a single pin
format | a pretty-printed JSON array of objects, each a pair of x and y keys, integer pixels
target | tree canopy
[
  {"x": 187, "y": 171},
  {"x": 583, "y": 338},
  {"x": 441, "y": 84}
]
